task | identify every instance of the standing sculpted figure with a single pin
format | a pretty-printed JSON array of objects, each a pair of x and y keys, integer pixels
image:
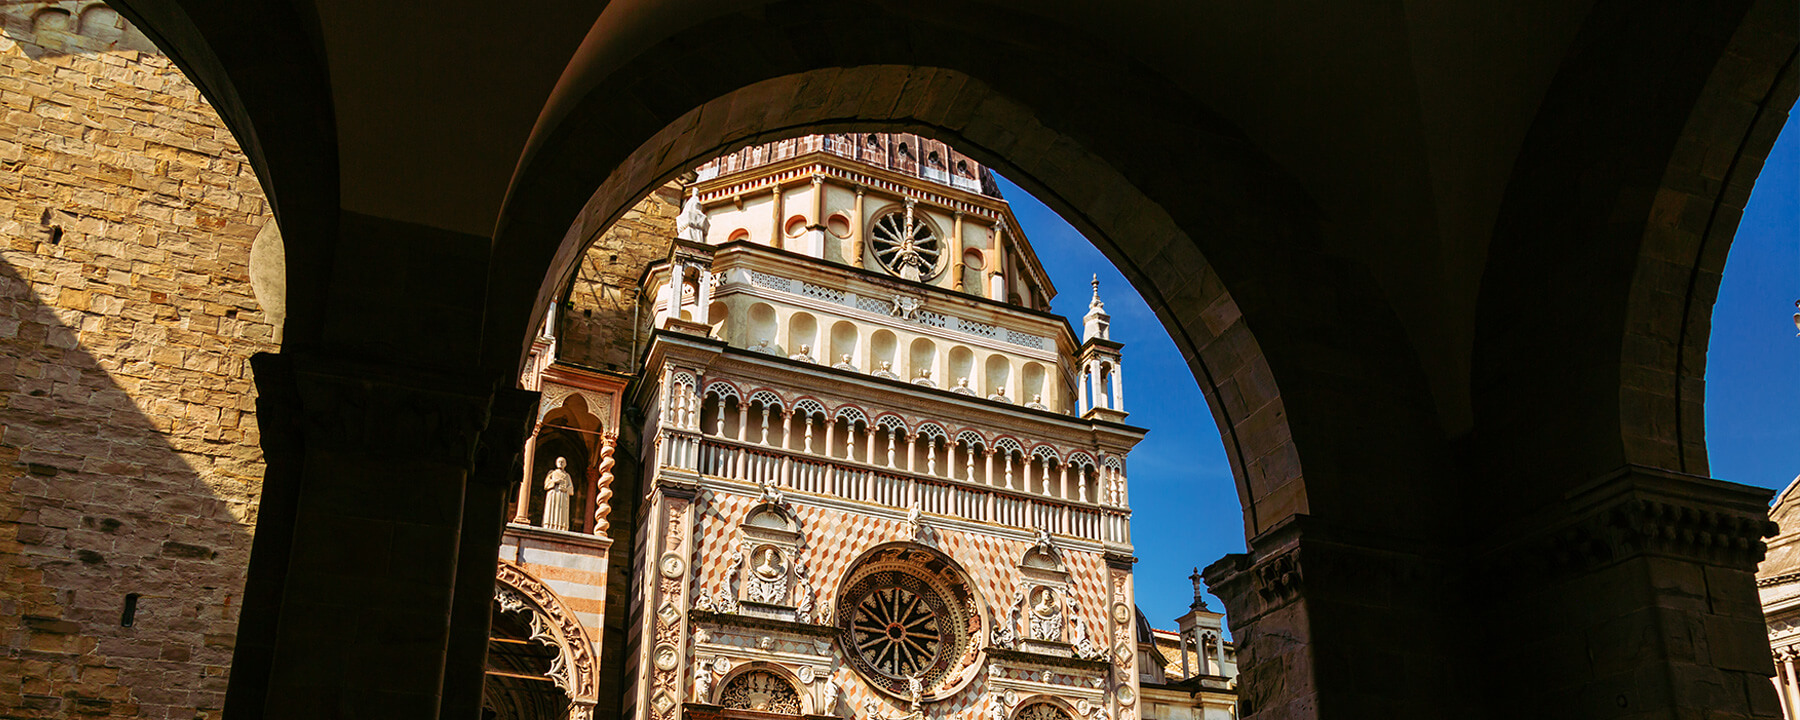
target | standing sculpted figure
[
  {"x": 558, "y": 487},
  {"x": 829, "y": 697}
]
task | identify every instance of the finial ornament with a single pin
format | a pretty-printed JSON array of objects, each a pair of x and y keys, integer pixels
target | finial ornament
[
  {"x": 1096, "y": 324},
  {"x": 1199, "y": 595}
]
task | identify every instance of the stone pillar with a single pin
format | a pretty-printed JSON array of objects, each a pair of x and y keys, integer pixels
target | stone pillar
[
  {"x": 775, "y": 237},
  {"x": 1081, "y": 389},
  {"x": 856, "y": 231},
  {"x": 1791, "y": 683},
  {"x": 816, "y": 230},
  {"x": 677, "y": 288},
  {"x": 522, "y": 513},
  {"x": 353, "y": 580},
  {"x": 956, "y": 252},
  {"x": 1118, "y": 387},
  {"x": 703, "y": 278},
  {"x": 484, "y": 509},
  {"x": 1633, "y": 596}
]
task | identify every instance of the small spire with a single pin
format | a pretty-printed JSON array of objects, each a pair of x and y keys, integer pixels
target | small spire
[
  {"x": 1096, "y": 324},
  {"x": 1199, "y": 595}
]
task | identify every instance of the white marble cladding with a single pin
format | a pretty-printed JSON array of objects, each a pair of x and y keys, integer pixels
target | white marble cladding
[{"x": 885, "y": 307}]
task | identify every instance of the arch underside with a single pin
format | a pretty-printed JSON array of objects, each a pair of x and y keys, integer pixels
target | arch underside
[{"x": 1310, "y": 353}]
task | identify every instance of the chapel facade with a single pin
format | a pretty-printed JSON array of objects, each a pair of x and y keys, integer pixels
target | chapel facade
[{"x": 870, "y": 475}]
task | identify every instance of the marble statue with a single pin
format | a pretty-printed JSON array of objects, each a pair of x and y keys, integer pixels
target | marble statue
[
  {"x": 962, "y": 387},
  {"x": 844, "y": 363},
  {"x": 828, "y": 697},
  {"x": 703, "y": 683},
  {"x": 924, "y": 378},
  {"x": 887, "y": 371},
  {"x": 559, "y": 486},
  {"x": 1000, "y": 395},
  {"x": 805, "y": 354}
]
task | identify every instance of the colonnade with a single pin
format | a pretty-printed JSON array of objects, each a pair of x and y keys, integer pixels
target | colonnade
[{"x": 847, "y": 434}]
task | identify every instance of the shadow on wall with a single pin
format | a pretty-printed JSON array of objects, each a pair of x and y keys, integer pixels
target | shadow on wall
[
  {"x": 129, "y": 458},
  {"x": 122, "y": 564},
  {"x": 61, "y": 28}
]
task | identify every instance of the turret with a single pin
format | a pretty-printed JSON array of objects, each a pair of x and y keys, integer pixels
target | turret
[{"x": 1100, "y": 380}]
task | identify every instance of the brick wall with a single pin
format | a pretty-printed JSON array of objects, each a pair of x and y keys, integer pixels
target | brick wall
[
  {"x": 128, "y": 450},
  {"x": 603, "y": 299}
]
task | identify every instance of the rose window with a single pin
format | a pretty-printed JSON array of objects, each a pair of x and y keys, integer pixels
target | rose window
[
  {"x": 895, "y": 631},
  {"x": 905, "y": 245},
  {"x": 909, "y": 618}
]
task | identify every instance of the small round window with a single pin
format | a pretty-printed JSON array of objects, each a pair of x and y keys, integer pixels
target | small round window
[{"x": 908, "y": 247}]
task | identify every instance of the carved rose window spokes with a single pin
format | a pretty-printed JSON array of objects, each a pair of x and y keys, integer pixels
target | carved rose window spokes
[
  {"x": 896, "y": 632},
  {"x": 906, "y": 246}
]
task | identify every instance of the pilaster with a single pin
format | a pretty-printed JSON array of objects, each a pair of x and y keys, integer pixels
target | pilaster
[
  {"x": 1636, "y": 596},
  {"x": 1328, "y": 623}
]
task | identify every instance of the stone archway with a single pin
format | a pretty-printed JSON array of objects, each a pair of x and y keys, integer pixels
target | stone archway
[{"x": 575, "y": 669}]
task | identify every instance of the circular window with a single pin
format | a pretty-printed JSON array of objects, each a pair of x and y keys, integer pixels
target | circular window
[
  {"x": 909, "y": 249},
  {"x": 909, "y": 616}
]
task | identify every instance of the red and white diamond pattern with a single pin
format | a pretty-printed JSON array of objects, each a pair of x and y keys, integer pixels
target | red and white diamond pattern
[{"x": 835, "y": 539}]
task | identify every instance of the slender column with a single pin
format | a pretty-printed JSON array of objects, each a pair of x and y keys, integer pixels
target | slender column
[
  {"x": 1081, "y": 481},
  {"x": 1793, "y": 686},
  {"x": 1219, "y": 652},
  {"x": 996, "y": 280},
  {"x": 762, "y": 438},
  {"x": 890, "y": 449},
  {"x": 743, "y": 432},
  {"x": 968, "y": 462},
  {"x": 1081, "y": 389},
  {"x": 703, "y": 279},
  {"x": 719, "y": 421},
  {"x": 1046, "y": 464},
  {"x": 1186, "y": 640},
  {"x": 775, "y": 213},
  {"x": 603, "y": 493},
  {"x": 931, "y": 456},
  {"x": 849, "y": 439},
  {"x": 1118, "y": 386},
  {"x": 818, "y": 216},
  {"x": 856, "y": 231},
  {"x": 787, "y": 435},
  {"x": 677, "y": 288},
  {"x": 522, "y": 514},
  {"x": 1062, "y": 473},
  {"x": 987, "y": 470},
  {"x": 957, "y": 251},
  {"x": 871, "y": 446},
  {"x": 1009, "y": 480}
]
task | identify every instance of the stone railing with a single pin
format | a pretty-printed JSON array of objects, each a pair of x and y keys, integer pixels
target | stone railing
[{"x": 858, "y": 482}]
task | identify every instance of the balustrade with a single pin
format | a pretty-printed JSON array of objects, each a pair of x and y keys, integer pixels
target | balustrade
[{"x": 727, "y": 458}]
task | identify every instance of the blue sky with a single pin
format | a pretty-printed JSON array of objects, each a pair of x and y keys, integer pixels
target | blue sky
[{"x": 1185, "y": 508}]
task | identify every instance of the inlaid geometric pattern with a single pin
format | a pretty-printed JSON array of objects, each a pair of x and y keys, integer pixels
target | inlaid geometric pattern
[{"x": 833, "y": 540}]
